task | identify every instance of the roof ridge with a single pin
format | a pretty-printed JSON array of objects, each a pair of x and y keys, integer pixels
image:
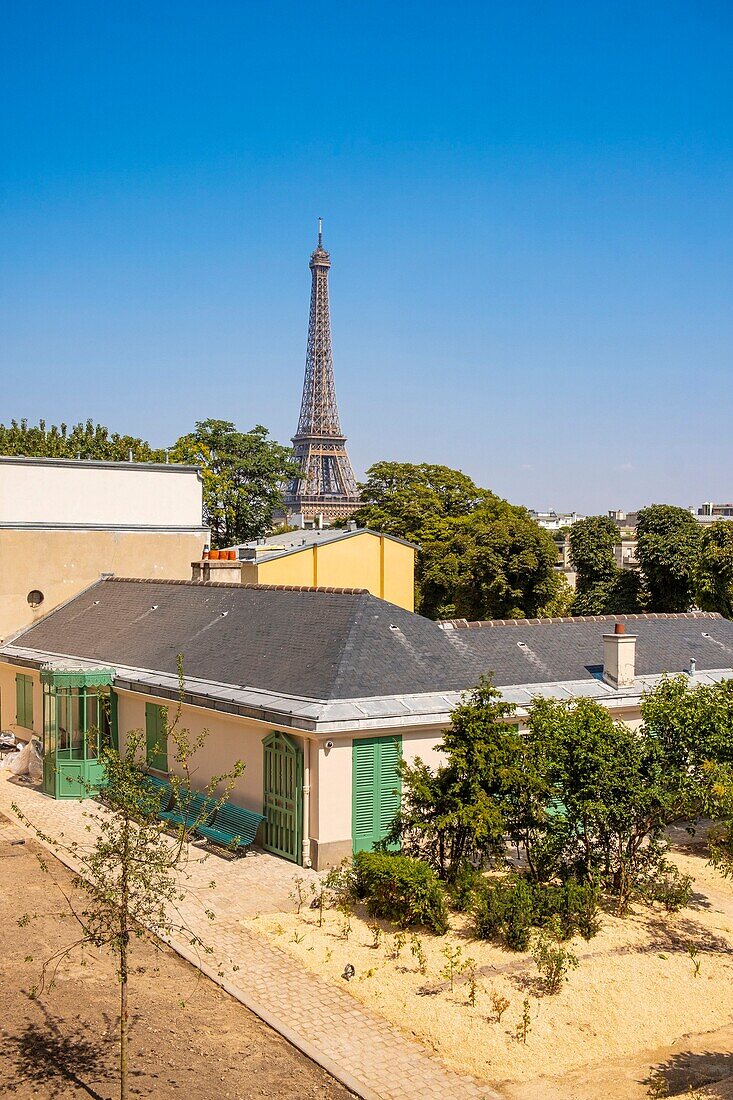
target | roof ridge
[
  {"x": 237, "y": 584},
  {"x": 464, "y": 624},
  {"x": 345, "y": 648}
]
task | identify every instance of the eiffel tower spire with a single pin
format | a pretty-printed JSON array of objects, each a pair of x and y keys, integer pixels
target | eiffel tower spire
[{"x": 326, "y": 483}]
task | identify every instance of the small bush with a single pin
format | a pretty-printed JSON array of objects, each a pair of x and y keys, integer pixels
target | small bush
[
  {"x": 553, "y": 960},
  {"x": 510, "y": 909},
  {"x": 400, "y": 889},
  {"x": 505, "y": 910},
  {"x": 464, "y": 886},
  {"x": 667, "y": 885}
]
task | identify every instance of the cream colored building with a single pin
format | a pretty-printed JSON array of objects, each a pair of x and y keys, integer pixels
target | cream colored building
[
  {"x": 349, "y": 558},
  {"x": 64, "y": 522},
  {"x": 336, "y": 684}
]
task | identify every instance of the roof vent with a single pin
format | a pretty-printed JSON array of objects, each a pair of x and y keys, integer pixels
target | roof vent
[
  {"x": 224, "y": 614},
  {"x": 393, "y": 627},
  {"x": 522, "y": 645},
  {"x": 705, "y": 634},
  {"x": 154, "y": 607}
]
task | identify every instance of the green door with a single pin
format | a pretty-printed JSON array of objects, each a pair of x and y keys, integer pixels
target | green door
[
  {"x": 376, "y": 789},
  {"x": 283, "y": 796}
]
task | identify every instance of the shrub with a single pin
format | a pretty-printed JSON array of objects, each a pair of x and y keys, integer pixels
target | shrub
[
  {"x": 505, "y": 910},
  {"x": 400, "y": 889},
  {"x": 510, "y": 909},
  {"x": 552, "y": 959},
  {"x": 665, "y": 884},
  {"x": 464, "y": 887}
]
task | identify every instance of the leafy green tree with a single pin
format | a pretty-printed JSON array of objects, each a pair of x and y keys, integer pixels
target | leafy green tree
[
  {"x": 617, "y": 788},
  {"x": 479, "y": 556},
  {"x": 668, "y": 547},
  {"x": 243, "y": 475},
  {"x": 83, "y": 440},
  {"x": 403, "y": 499},
  {"x": 715, "y": 582},
  {"x": 602, "y": 587},
  {"x": 495, "y": 563},
  {"x": 132, "y": 877},
  {"x": 592, "y": 543},
  {"x": 455, "y": 814}
]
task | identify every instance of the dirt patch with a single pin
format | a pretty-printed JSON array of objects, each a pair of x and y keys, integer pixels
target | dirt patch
[
  {"x": 644, "y": 984},
  {"x": 63, "y": 1045}
]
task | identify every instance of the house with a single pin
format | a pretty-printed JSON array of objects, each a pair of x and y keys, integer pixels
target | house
[
  {"x": 355, "y": 557},
  {"x": 63, "y": 522},
  {"x": 318, "y": 691}
]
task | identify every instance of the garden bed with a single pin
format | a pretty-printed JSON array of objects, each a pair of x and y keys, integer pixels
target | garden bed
[{"x": 637, "y": 987}]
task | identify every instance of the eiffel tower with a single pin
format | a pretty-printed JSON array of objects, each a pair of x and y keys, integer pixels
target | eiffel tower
[{"x": 325, "y": 485}]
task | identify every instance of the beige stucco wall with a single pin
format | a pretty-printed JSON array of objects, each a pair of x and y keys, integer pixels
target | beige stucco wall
[
  {"x": 51, "y": 491},
  {"x": 59, "y": 563}
]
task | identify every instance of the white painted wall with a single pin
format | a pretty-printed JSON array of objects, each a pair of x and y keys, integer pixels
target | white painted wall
[{"x": 56, "y": 492}]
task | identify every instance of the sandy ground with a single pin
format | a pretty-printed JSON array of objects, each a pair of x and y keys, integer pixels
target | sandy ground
[
  {"x": 635, "y": 1002},
  {"x": 63, "y": 1045}
]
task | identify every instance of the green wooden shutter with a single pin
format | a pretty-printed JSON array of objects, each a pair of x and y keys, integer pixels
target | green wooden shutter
[
  {"x": 156, "y": 737},
  {"x": 24, "y": 701},
  {"x": 114, "y": 722},
  {"x": 376, "y": 789}
]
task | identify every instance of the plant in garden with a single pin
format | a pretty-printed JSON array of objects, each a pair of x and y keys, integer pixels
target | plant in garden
[
  {"x": 297, "y": 937},
  {"x": 132, "y": 879},
  {"x": 319, "y": 900},
  {"x": 376, "y": 931},
  {"x": 452, "y": 956},
  {"x": 298, "y": 894},
  {"x": 418, "y": 952},
  {"x": 694, "y": 957},
  {"x": 400, "y": 889},
  {"x": 454, "y": 815},
  {"x": 397, "y": 945},
  {"x": 499, "y": 1004},
  {"x": 553, "y": 960},
  {"x": 525, "y": 1022},
  {"x": 469, "y": 969}
]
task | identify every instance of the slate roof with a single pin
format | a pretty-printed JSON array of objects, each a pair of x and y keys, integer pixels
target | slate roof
[{"x": 343, "y": 644}]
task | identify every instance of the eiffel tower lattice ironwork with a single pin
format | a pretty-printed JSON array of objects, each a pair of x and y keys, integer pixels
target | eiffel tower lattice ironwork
[{"x": 326, "y": 484}]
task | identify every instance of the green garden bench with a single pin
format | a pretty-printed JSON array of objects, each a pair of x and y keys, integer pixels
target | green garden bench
[
  {"x": 189, "y": 808},
  {"x": 232, "y": 827},
  {"x": 163, "y": 789}
]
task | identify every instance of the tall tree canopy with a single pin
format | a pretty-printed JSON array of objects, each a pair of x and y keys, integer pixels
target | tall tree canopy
[
  {"x": 602, "y": 587},
  {"x": 83, "y": 440},
  {"x": 480, "y": 557},
  {"x": 715, "y": 581},
  {"x": 243, "y": 474},
  {"x": 668, "y": 547}
]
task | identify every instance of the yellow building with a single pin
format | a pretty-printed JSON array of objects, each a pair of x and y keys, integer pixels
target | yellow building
[{"x": 349, "y": 558}]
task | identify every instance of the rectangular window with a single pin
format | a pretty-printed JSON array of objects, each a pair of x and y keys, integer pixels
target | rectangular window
[
  {"x": 156, "y": 736},
  {"x": 24, "y": 701}
]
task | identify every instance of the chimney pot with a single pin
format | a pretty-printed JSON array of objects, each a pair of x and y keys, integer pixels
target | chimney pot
[{"x": 619, "y": 658}]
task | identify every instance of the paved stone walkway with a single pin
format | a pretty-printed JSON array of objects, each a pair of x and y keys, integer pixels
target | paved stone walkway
[{"x": 354, "y": 1045}]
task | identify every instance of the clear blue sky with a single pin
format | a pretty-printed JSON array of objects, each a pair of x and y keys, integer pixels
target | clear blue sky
[{"x": 528, "y": 207}]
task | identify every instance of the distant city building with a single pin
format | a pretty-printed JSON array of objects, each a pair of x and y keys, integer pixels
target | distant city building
[
  {"x": 325, "y": 489},
  {"x": 554, "y": 521},
  {"x": 710, "y": 513}
]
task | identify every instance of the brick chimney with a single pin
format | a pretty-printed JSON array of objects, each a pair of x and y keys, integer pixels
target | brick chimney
[{"x": 619, "y": 658}]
